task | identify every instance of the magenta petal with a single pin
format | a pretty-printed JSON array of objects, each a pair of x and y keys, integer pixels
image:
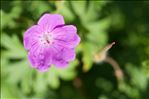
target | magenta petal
[
  {"x": 59, "y": 62},
  {"x": 33, "y": 55},
  {"x": 30, "y": 36},
  {"x": 49, "y": 21},
  {"x": 40, "y": 58},
  {"x": 57, "y": 58},
  {"x": 66, "y": 36},
  {"x": 68, "y": 54},
  {"x": 62, "y": 56}
]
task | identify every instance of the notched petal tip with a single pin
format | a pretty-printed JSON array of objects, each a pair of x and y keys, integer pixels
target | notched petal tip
[
  {"x": 71, "y": 28},
  {"x": 52, "y": 20}
]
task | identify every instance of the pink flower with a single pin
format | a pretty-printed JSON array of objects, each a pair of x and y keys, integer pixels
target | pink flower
[{"x": 51, "y": 42}]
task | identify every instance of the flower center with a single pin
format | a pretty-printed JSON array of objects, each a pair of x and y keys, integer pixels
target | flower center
[{"x": 46, "y": 39}]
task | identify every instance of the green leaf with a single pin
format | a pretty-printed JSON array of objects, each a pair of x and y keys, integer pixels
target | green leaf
[
  {"x": 16, "y": 51},
  {"x": 87, "y": 57},
  {"x": 17, "y": 71},
  {"x": 69, "y": 72},
  {"x": 137, "y": 77},
  {"x": 52, "y": 77},
  {"x": 40, "y": 84},
  {"x": 145, "y": 67},
  {"x": 8, "y": 19},
  {"x": 9, "y": 91},
  {"x": 79, "y": 7},
  {"x": 38, "y": 8},
  {"x": 64, "y": 9},
  {"x": 97, "y": 33},
  {"x": 27, "y": 82}
]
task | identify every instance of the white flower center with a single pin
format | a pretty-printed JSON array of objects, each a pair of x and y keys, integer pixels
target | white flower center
[{"x": 46, "y": 39}]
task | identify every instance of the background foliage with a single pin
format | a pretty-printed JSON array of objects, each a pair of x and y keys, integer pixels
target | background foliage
[{"x": 99, "y": 23}]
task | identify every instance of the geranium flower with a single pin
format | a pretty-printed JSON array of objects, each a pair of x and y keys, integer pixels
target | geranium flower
[{"x": 51, "y": 42}]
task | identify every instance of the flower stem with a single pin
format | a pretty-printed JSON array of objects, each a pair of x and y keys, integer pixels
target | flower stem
[{"x": 118, "y": 72}]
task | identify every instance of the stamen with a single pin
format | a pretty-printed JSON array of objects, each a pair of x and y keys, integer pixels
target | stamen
[
  {"x": 46, "y": 38},
  {"x": 48, "y": 41}
]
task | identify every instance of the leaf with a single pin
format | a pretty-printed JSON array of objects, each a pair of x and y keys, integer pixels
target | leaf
[
  {"x": 7, "y": 91},
  {"x": 54, "y": 74},
  {"x": 39, "y": 7},
  {"x": 137, "y": 77},
  {"x": 17, "y": 71},
  {"x": 27, "y": 82},
  {"x": 40, "y": 84},
  {"x": 64, "y": 9},
  {"x": 104, "y": 84},
  {"x": 87, "y": 57},
  {"x": 97, "y": 33},
  {"x": 145, "y": 67},
  {"x": 16, "y": 51},
  {"x": 88, "y": 11},
  {"x": 8, "y": 19},
  {"x": 100, "y": 25},
  {"x": 79, "y": 7},
  {"x": 68, "y": 73},
  {"x": 52, "y": 78}
]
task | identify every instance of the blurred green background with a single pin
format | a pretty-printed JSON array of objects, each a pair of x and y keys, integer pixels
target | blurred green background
[{"x": 99, "y": 23}]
